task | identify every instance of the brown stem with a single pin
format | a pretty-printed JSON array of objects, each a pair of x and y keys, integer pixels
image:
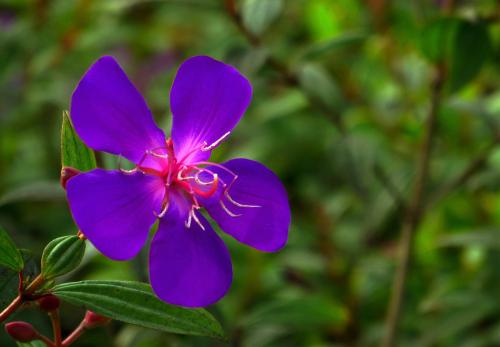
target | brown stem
[
  {"x": 55, "y": 319},
  {"x": 413, "y": 214},
  {"x": 80, "y": 329},
  {"x": 34, "y": 285}
]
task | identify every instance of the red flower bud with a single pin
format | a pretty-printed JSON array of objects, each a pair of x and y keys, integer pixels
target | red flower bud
[
  {"x": 21, "y": 331},
  {"x": 49, "y": 303},
  {"x": 93, "y": 320},
  {"x": 66, "y": 173}
]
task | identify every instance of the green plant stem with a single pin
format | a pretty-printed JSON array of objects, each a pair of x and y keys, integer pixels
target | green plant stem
[{"x": 413, "y": 214}]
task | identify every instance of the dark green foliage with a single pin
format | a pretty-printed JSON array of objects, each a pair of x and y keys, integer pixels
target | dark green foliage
[
  {"x": 10, "y": 256},
  {"x": 135, "y": 303},
  {"x": 340, "y": 93}
]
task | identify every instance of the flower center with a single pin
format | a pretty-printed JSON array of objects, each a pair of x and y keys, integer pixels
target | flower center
[{"x": 190, "y": 180}]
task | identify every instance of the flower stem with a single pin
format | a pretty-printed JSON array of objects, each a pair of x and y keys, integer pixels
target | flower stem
[
  {"x": 18, "y": 301},
  {"x": 13, "y": 306},
  {"x": 56, "y": 327},
  {"x": 80, "y": 329},
  {"x": 34, "y": 285},
  {"x": 46, "y": 340}
]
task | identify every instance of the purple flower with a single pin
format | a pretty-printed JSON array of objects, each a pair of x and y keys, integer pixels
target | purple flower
[{"x": 189, "y": 264}]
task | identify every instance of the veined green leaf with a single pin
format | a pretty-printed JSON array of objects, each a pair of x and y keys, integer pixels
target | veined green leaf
[
  {"x": 74, "y": 153},
  {"x": 9, "y": 254},
  {"x": 9, "y": 279},
  {"x": 135, "y": 303}
]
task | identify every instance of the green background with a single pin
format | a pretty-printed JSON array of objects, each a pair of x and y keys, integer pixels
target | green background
[{"x": 341, "y": 91}]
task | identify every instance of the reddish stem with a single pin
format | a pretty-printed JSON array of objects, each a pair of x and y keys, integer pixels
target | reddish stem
[
  {"x": 80, "y": 329},
  {"x": 46, "y": 340},
  {"x": 18, "y": 301},
  {"x": 14, "y": 305},
  {"x": 56, "y": 327}
]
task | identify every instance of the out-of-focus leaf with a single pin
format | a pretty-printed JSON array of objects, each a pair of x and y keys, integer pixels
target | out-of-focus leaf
[
  {"x": 259, "y": 14},
  {"x": 488, "y": 237},
  {"x": 9, "y": 254},
  {"x": 437, "y": 38},
  {"x": 468, "y": 309},
  {"x": 37, "y": 191},
  {"x": 74, "y": 153},
  {"x": 62, "y": 255},
  {"x": 299, "y": 313},
  {"x": 338, "y": 42},
  {"x": 9, "y": 279},
  {"x": 319, "y": 85},
  {"x": 471, "y": 48},
  {"x": 135, "y": 303},
  {"x": 462, "y": 45},
  {"x": 36, "y": 343}
]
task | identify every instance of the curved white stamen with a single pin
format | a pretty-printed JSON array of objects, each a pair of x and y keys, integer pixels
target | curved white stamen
[
  {"x": 226, "y": 194},
  {"x": 157, "y": 155},
  {"x": 196, "y": 219},
  {"x": 205, "y": 148},
  {"x": 232, "y": 214},
  {"x": 163, "y": 211},
  {"x": 188, "y": 222}
]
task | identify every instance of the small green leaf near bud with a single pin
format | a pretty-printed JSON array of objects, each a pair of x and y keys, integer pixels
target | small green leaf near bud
[
  {"x": 74, "y": 153},
  {"x": 9, "y": 254},
  {"x": 62, "y": 255}
]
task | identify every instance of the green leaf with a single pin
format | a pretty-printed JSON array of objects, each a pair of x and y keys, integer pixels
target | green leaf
[
  {"x": 9, "y": 254},
  {"x": 62, "y": 255},
  {"x": 135, "y": 303},
  {"x": 437, "y": 38},
  {"x": 36, "y": 343},
  {"x": 461, "y": 45},
  {"x": 74, "y": 153},
  {"x": 320, "y": 86},
  {"x": 338, "y": 42},
  {"x": 486, "y": 237},
  {"x": 304, "y": 313},
  {"x": 471, "y": 48},
  {"x": 37, "y": 191},
  {"x": 259, "y": 14},
  {"x": 9, "y": 279}
]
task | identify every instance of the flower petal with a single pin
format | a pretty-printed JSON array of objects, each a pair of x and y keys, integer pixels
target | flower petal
[
  {"x": 264, "y": 228},
  {"x": 110, "y": 115},
  {"x": 115, "y": 210},
  {"x": 188, "y": 267},
  {"x": 207, "y": 100}
]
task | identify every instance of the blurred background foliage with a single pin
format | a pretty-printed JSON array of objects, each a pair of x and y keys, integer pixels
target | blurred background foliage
[{"x": 341, "y": 91}]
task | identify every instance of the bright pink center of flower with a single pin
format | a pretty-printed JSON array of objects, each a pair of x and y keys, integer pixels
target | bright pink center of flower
[{"x": 190, "y": 180}]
